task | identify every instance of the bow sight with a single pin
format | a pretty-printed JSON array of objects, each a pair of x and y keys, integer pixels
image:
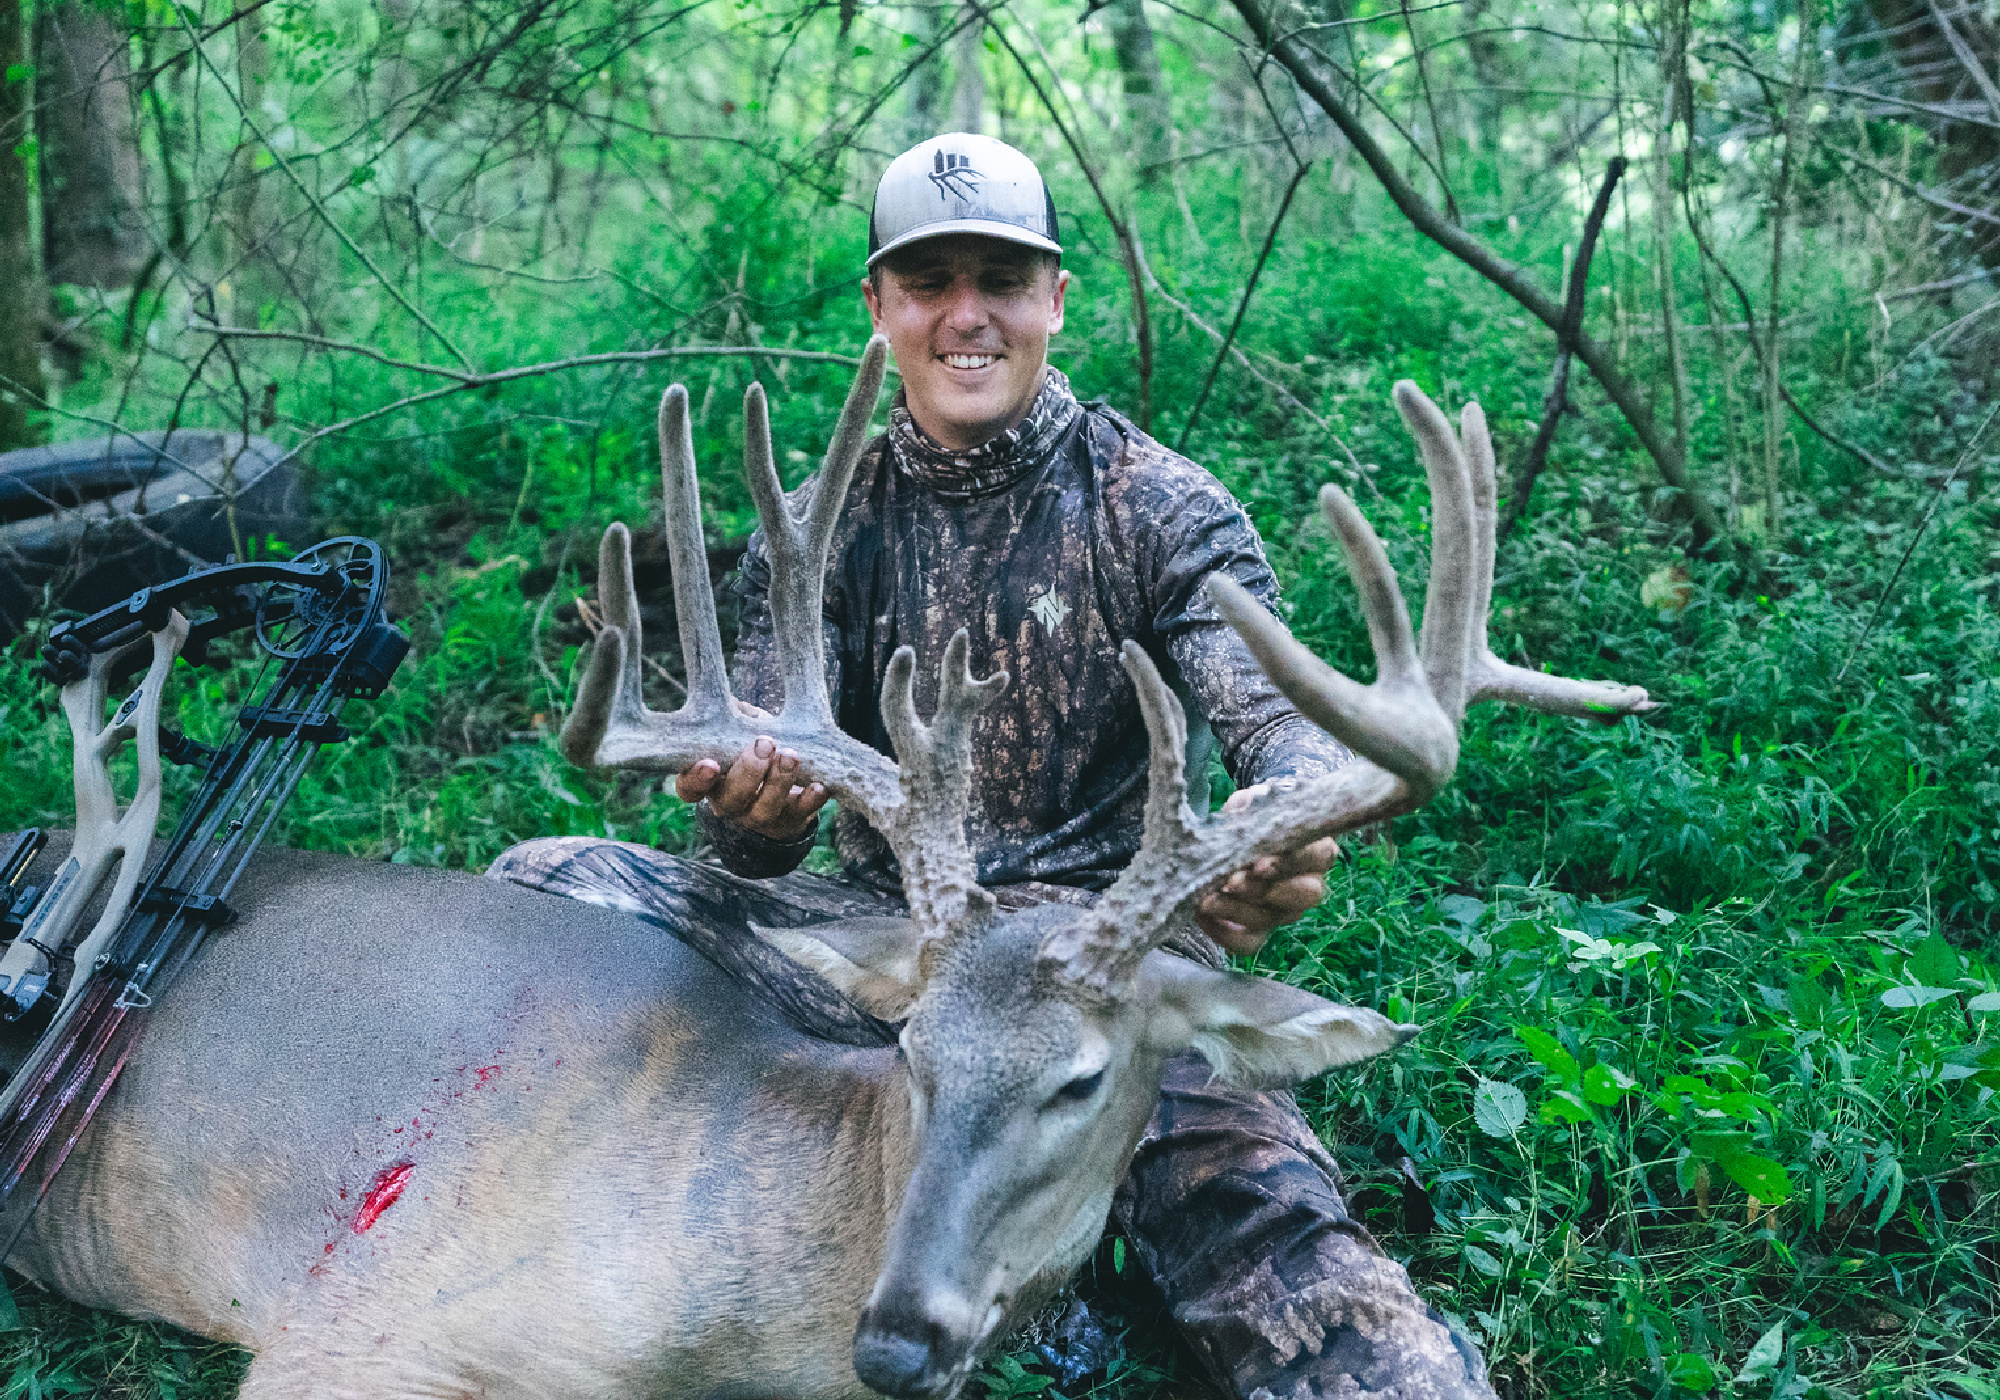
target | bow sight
[{"x": 319, "y": 619}]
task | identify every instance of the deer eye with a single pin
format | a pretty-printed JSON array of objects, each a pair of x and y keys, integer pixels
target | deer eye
[{"x": 1080, "y": 1089}]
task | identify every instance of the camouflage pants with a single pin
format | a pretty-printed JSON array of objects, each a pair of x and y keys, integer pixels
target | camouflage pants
[{"x": 1232, "y": 1205}]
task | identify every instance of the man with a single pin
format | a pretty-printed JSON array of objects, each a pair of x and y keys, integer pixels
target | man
[{"x": 1054, "y": 532}]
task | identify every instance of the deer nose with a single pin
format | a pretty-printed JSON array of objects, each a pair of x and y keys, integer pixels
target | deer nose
[{"x": 903, "y": 1356}]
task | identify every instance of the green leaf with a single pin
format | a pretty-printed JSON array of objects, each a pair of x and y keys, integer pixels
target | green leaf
[
  {"x": 1604, "y": 1085},
  {"x": 1564, "y": 1107},
  {"x": 1463, "y": 909},
  {"x": 1498, "y": 1108},
  {"x": 1978, "y": 1387},
  {"x": 1691, "y": 1371},
  {"x": 1765, "y": 1354},
  {"x": 1719, "y": 1147},
  {"x": 1760, "y": 1176},
  {"x": 1809, "y": 1000},
  {"x": 1549, "y": 1051},
  {"x": 1935, "y": 962},
  {"x": 1985, "y": 1001},
  {"x": 10, "y": 1315},
  {"x": 1484, "y": 1262},
  {"x": 1906, "y": 998}
]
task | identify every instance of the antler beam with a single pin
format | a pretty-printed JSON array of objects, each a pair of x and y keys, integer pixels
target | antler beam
[
  {"x": 920, "y": 807},
  {"x": 1403, "y": 728}
]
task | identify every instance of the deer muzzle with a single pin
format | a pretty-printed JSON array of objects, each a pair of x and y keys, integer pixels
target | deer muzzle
[{"x": 905, "y": 1349}]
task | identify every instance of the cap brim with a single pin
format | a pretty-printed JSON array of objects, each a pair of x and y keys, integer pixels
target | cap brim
[{"x": 986, "y": 228}]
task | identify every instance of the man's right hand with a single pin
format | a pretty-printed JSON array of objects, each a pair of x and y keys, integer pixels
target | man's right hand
[{"x": 758, "y": 793}]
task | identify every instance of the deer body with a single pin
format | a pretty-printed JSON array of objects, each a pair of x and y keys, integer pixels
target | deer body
[{"x": 624, "y": 1177}]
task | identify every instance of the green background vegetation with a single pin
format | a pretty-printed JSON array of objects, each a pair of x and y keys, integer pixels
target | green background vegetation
[{"x": 1705, "y": 1099}]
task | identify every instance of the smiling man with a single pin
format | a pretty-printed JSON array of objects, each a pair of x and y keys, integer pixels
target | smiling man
[{"x": 1054, "y": 531}]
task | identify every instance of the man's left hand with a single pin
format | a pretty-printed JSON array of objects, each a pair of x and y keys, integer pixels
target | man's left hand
[{"x": 1268, "y": 893}]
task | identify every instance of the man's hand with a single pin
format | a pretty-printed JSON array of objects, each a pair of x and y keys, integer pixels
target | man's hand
[
  {"x": 1268, "y": 893},
  {"x": 758, "y": 792}
]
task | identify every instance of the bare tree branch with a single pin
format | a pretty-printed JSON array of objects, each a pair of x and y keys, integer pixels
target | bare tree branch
[
  {"x": 1556, "y": 402},
  {"x": 313, "y": 200},
  {"x": 1708, "y": 527},
  {"x": 1242, "y": 303},
  {"x": 1963, "y": 52}
]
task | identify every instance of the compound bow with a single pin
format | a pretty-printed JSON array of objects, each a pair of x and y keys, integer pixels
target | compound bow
[{"x": 320, "y": 617}]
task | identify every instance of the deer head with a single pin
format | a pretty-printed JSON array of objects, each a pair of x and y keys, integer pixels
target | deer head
[{"x": 1035, "y": 1041}]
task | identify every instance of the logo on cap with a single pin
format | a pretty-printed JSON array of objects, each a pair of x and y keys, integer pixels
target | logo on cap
[{"x": 952, "y": 173}]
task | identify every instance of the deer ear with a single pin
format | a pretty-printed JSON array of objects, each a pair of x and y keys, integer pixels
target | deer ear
[
  {"x": 874, "y": 961},
  {"x": 1257, "y": 1033}
]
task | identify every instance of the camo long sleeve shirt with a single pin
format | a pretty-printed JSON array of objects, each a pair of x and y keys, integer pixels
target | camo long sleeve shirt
[{"x": 1051, "y": 545}]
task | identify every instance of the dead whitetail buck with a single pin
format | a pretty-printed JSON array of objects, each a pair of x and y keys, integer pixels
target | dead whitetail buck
[{"x": 407, "y": 1133}]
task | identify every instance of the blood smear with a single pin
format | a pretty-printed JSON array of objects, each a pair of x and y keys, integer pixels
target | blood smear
[{"x": 387, "y": 1187}]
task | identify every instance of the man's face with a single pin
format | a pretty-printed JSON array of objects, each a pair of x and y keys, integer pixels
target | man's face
[{"x": 969, "y": 319}]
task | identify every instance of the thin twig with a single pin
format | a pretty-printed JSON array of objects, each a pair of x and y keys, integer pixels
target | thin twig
[
  {"x": 1943, "y": 490},
  {"x": 1967, "y": 58},
  {"x": 311, "y": 199},
  {"x": 1556, "y": 402},
  {"x": 1243, "y": 362},
  {"x": 1121, "y": 228},
  {"x": 1825, "y": 433},
  {"x": 465, "y": 382},
  {"x": 1242, "y": 304},
  {"x": 473, "y": 380}
]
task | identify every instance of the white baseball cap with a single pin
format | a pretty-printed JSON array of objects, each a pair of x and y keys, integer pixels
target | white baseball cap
[{"x": 961, "y": 183}]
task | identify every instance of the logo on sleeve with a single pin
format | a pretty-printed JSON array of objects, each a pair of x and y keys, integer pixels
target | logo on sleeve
[{"x": 1049, "y": 609}]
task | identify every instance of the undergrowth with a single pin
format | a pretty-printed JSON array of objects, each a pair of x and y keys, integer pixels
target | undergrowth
[{"x": 1704, "y": 1101}]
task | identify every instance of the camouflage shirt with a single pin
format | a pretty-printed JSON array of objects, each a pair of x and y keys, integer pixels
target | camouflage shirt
[{"x": 1051, "y": 545}]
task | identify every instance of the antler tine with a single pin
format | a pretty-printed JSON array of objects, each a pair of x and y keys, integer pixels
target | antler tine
[
  {"x": 1135, "y": 914},
  {"x": 1448, "y": 600},
  {"x": 1396, "y": 723},
  {"x": 1478, "y": 444},
  {"x": 1403, "y": 728},
  {"x": 1490, "y": 678},
  {"x": 1412, "y": 747},
  {"x": 798, "y": 547},
  {"x": 687, "y": 556},
  {"x": 927, "y": 830},
  {"x": 610, "y": 725},
  {"x": 850, "y": 436},
  {"x": 610, "y": 697}
]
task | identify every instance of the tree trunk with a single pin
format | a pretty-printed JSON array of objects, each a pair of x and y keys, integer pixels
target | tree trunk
[
  {"x": 21, "y": 385},
  {"x": 88, "y": 148},
  {"x": 1673, "y": 48},
  {"x": 924, "y": 92},
  {"x": 968, "y": 92}
]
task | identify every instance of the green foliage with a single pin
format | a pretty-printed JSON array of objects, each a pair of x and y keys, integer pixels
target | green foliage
[
  {"x": 1669, "y": 1147},
  {"x": 1704, "y": 1101}
]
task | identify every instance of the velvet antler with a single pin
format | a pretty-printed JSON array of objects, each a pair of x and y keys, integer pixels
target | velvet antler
[
  {"x": 1403, "y": 728},
  {"x": 919, "y": 806}
]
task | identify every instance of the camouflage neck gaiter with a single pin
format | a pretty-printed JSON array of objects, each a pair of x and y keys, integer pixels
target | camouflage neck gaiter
[{"x": 996, "y": 464}]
